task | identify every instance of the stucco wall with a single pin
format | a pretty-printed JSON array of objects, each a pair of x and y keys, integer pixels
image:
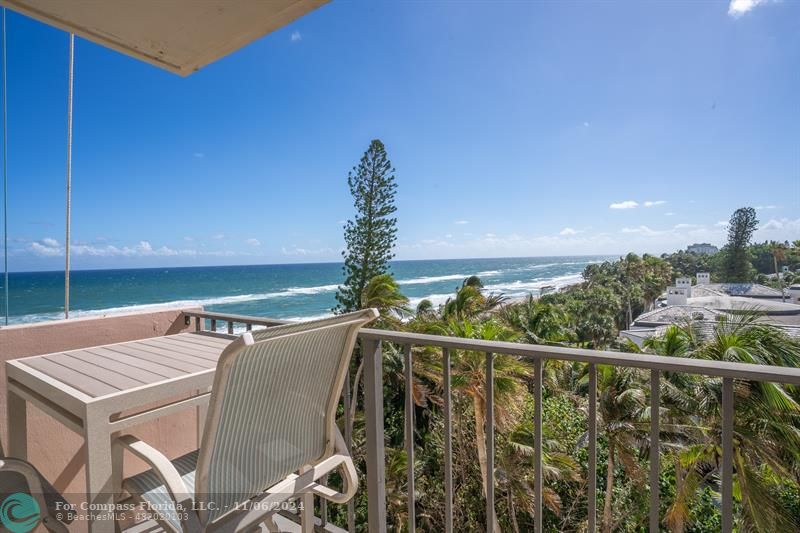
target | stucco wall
[{"x": 56, "y": 450}]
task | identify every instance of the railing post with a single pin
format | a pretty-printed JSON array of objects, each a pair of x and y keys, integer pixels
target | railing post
[
  {"x": 727, "y": 455},
  {"x": 655, "y": 441},
  {"x": 448, "y": 444},
  {"x": 230, "y": 327},
  {"x": 592, "y": 473},
  {"x": 537, "y": 450},
  {"x": 348, "y": 441},
  {"x": 489, "y": 430},
  {"x": 373, "y": 413},
  {"x": 409, "y": 435}
]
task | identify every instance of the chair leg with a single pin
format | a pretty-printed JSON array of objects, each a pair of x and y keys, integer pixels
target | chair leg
[{"x": 307, "y": 512}]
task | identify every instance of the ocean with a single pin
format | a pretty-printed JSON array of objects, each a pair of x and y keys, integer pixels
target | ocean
[{"x": 292, "y": 291}]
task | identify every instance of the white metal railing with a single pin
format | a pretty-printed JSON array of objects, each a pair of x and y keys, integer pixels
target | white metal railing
[{"x": 371, "y": 344}]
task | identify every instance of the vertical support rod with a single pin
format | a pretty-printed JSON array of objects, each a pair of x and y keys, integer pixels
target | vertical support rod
[
  {"x": 655, "y": 445},
  {"x": 5, "y": 173},
  {"x": 348, "y": 441},
  {"x": 230, "y": 327},
  {"x": 537, "y": 450},
  {"x": 409, "y": 435},
  {"x": 448, "y": 444},
  {"x": 592, "y": 473},
  {"x": 727, "y": 455},
  {"x": 69, "y": 175},
  {"x": 373, "y": 415},
  {"x": 213, "y": 324},
  {"x": 489, "y": 430}
]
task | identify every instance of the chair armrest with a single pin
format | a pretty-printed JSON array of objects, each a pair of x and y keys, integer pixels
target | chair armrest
[
  {"x": 344, "y": 462},
  {"x": 168, "y": 474}
]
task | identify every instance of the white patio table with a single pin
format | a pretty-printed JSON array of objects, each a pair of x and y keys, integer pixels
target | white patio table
[{"x": 105, "y": 389}]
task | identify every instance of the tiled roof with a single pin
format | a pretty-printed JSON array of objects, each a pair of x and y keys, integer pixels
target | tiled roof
[
  {"x": 706, "y": 329},
  {"x": 676, "y": 313},
  {"x": 752, "y": 290}
]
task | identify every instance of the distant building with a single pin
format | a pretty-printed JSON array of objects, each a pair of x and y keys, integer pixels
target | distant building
[
  {"x": 703, "y": 248},
  {"x": 705, "y": 303}
]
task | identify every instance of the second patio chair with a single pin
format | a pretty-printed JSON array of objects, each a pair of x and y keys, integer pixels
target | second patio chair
[{"x": 270, "y": 433}]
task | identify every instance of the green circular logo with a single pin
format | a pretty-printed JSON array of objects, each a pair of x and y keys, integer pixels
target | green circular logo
[{"x": 19, "y": 513}]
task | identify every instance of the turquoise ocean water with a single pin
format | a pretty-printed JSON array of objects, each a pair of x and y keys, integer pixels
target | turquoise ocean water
[{"x": 275, "y": 291}]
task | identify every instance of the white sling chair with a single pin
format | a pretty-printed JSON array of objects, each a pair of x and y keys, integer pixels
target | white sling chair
[
  {"x": 270, "y": 433},
  {"x": 18, "y": 480}
]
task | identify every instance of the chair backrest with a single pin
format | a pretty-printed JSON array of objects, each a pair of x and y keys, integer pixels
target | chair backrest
[{"x": 273, "y": 407}]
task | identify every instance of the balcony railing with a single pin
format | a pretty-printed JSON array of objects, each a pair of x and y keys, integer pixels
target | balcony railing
[{"x": 371, "y": 345}]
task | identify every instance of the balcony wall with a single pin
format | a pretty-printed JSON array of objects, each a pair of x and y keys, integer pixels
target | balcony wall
[{"x": 53, "y": 448}]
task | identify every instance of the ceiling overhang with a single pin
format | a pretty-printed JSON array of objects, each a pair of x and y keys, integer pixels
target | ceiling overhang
[{"x": 181, "y": 36}]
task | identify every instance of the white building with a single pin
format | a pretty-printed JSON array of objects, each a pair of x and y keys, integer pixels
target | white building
[
  {"x": 702, "y": 248},
  {"x": 684, "y": 283}
]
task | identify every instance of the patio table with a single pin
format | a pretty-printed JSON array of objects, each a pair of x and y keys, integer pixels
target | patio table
[{"x": 102, "y": 390}]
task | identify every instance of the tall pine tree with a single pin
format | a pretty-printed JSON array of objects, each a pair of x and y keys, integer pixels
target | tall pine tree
[
  {"x": 371, "y": 236},
  {"x": 737, "y": 266}
]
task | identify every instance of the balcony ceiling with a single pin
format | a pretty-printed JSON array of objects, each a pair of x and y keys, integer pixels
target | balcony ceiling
[{"x": 181, "y": 36}]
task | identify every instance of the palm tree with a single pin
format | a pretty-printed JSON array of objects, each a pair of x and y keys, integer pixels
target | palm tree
[
  {"x": 468, "y": 371},
  {"x": 766, "y": 438},
  {"x": 515, "y": 470},
  {"x": 622, "y": 407},
  {"x": 541, "y": 322},
  {"x": 469, "y": 301},
  {"x": 383, "y": 293}
]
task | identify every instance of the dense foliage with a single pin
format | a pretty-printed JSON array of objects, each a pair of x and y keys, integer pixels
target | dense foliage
[
  {"x": 767, "y": 435},
  {"x": 736, "y": 263},
  {"x": 370, "y": 237},
  {"x": 766, "y": 259}
]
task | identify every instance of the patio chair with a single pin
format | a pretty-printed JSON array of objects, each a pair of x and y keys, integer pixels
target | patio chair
[
  {"x": 25, "y": 493},
  {"x": 270, "y": 433}
]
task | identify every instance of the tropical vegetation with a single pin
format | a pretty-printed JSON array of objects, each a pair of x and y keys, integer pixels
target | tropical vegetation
[
  {"x": 767, "y": 422},
  {"x": 766, "y": 440}
]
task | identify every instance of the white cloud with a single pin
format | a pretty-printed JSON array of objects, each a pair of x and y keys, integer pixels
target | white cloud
[
  {"x": 737, "y": 8},
  {"x": 669, "y": 214},
  {"x": 642, "y": 230},
  {"x": 461, "y": 222},
  {"x": 567, "y": 231},
  {"x": 295, "y": 250},
  {"x": 199, "y": 155},
  {"x": 585, "y": 124},
  {"x": 722, "y": 224},
  {"x": 188, "y": 239},
  {"x": 46, "y": 248},
  {"x": 782, "y": 223},
  {"x": 448, "y": 236},
  {"x": 253, "y": 242},
  {"x": 627, "y": 204},
  {"x": 490, "y": 235},
  {"x": 296, "y": 36},
  {"x": 651, "y": 203},
  {"x": 762, "y": 207},
  {"x": 218, "y": 236}
]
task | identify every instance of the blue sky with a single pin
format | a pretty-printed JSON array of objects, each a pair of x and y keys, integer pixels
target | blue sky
[{"x": 516, "y": 128}]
